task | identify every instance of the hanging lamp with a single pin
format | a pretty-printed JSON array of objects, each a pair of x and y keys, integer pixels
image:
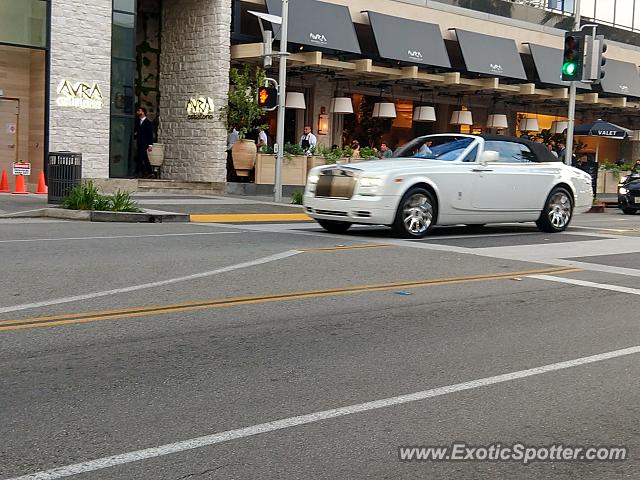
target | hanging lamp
[{"x": 295, "y": 101}]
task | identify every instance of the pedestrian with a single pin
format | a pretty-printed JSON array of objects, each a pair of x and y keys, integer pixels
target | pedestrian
[
  {"x": 263, "y": 140},
  {"x": 232, "y": 138},
  {"x": 308, "y": 140},
  {"x": 143, "y": 133},
  {"x": 562, "y": 150},
  {"x": 636, "y": 167},
  {"x": 550, "y": 148},
  {"x": 355, "y": 149},
  {"x": 385, "y": 151}
]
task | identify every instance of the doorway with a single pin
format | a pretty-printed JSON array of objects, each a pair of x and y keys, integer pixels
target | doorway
[{"x": 9, "y": 111}]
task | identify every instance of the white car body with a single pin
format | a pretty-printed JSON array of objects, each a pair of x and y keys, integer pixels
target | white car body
[{"x": 471, "y": 192}]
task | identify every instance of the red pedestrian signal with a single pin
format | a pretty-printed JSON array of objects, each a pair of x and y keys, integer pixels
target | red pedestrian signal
[{"x": 268, "y": 98}]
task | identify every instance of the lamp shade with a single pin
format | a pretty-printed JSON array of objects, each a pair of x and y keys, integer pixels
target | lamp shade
[
  {"x": 529, "y": 125},
  {"x": 424, "y": 114},
  {"x": 559, "y": 126},
  {"x": 341, "y": 105},
  {"x": 384, "y": 110},
  {"x": 461, "y": 117},
  {"x": 497, "y": 121},
  {"x": 295, "y": 100}
]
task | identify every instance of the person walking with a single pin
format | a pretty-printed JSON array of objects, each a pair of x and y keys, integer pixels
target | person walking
[
  {"x": 263, "y": 140},
  {"x": 143, "y": 133},
  {"x": 308, "y": 140}
]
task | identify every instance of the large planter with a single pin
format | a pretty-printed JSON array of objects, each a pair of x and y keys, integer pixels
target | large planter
[
  {"x": 243, "y": 153},
  {"x": 156, "y": 155},
  {"x": 294, "y": 169},
  {"x": 608, "y": 181}
]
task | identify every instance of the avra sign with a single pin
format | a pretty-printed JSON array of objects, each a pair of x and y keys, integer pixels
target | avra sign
[
  {"x": 200, "y": 108},
  {"x": 79, "y": 95}
]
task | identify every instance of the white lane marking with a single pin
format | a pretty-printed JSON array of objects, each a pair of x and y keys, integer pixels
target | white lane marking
[
  {"x": 133, "y": 288},
  {"x": 216, "y": 438},
  {"x": 596, "y": 267},
  {"x": 22, "y": 240},
  {"x": 585, "y": 283}
]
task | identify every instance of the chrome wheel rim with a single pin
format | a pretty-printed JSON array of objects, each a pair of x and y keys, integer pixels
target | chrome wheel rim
[
  {"x": 559, "y": 210},
  {"x": 417, "y": 214}
]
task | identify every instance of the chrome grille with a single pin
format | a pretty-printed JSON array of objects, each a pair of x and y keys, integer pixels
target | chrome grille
[{"x": 335, "y": 183}]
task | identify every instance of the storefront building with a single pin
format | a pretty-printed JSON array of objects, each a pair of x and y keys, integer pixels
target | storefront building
[{"x": 72, "y": 74}]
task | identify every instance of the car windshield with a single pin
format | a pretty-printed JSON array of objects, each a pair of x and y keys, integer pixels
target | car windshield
[{"x": 447, "y": 148}]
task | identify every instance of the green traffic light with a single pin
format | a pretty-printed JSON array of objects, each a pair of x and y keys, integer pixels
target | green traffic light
[{"x": 569, "y": 68}]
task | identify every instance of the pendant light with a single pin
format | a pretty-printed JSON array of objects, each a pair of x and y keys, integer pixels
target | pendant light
[
  {"x": 341, "y": 105},
  {"x": 461, "y": 117},
  {"x": 384, "y": 110},
  {"x": 559, "y": 126},
  {"x": 295, "y": 101},
  {"x": 497, "y": 120},
  {"x": 529, "y": 125},
  {"x": 424, "y": 114}
]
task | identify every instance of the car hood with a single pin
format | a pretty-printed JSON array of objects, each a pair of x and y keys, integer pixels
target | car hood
[{"x": 378, "y": 167}]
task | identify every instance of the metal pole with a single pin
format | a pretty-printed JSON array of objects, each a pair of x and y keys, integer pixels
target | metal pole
[
  {"x": 568, "y": 152},
  {"x": 282, "y": 80}
]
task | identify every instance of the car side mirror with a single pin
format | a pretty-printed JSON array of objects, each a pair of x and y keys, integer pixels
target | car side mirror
[{"x": 489, "y": 156}]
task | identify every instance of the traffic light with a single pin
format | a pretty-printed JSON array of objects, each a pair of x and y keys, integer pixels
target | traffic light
[
  {"x": 594, "y": 60},
  {"x": 268, "y": 98},
  {"x": 573, "y": 56}
]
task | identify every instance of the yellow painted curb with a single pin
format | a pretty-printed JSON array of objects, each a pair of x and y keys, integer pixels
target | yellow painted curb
[{"x": 250, "y": 217}]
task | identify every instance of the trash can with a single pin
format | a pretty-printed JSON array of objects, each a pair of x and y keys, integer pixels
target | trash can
[{"x": 64, "y": 171}]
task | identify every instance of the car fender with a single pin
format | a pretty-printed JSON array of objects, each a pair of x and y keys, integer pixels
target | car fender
[{"x": 408, "y": 183}]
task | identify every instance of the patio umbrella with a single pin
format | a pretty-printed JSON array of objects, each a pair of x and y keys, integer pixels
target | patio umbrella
[{"x": 602, "y": 129}]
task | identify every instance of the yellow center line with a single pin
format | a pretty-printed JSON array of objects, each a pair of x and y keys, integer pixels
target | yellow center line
[
  {"x": 345, "y": 247},
  {"x": 86, "y": 317},
  {"x": 249, "y": 217}
]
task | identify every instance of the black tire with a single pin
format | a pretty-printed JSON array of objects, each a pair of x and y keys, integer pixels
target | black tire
[
  {"x": 334, "y": 226},
  {"x": 416, "y": 214},
  {"x": 629, "y": 211},
  {"x": 557, "y": 212}
]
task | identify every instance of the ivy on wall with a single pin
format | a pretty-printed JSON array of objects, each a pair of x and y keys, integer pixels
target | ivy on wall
[{"x": 148, "y": 57}]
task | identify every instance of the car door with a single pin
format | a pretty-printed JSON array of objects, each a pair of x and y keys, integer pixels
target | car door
[{"x": 514, "y": 182}]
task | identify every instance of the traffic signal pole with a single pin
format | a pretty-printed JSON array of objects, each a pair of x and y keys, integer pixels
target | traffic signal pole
[
  {"x": 568, "y": 152},
  {"x": 282, "y": 80}
]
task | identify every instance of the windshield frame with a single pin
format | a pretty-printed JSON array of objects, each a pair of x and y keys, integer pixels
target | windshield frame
[{"x": 475, "y": 141}]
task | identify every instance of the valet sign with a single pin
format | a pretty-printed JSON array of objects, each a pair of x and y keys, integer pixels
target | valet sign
[
  {"x": 80, "y": 95},
  {"x": 200, "y": 108}
]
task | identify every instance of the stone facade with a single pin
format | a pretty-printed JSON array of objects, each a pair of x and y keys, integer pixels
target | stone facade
[
  {"x": 81, "y": 53},
  {"x": 194, "y": 62}
]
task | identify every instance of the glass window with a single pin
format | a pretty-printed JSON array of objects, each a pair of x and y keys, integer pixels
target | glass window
[
  {"x": 435, "y": 147},
  {"x": 472, "y": 155},
  {"x": 588, "y": 8},
  {"x": 23, "y": 22},
  {"x": 125, "y": 5},
  {"x": 124, "y": 34},
  {"x": 624, "y": 13},
  {"x": 122, "y": 87},
  {"x": 510, "y": 152},
  {"x": 121, "y": 147},
  {"x": 604, "y": 11}
]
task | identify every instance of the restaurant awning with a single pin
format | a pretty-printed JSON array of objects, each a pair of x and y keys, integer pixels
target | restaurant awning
[
  {"x": 409, "y": 40},
  {"x": 548, "y": 63},
  {"x": 318, "y": 24},
  {"x": 621, "y": 78},
  {"x": 490, "y": 55}
]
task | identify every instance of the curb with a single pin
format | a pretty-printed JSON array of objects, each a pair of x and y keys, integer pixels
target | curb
[{"x": 98, "y": 216}]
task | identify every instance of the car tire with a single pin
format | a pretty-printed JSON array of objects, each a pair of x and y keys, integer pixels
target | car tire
[
  {"x": 416, "y": 214},
  {"x": 629, "y": 211},
  {"x": 557, "y": 212},
  {"x": 334, "y": 226}
]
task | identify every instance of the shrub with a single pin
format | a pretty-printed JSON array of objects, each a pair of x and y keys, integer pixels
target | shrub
[
  {"x": 297, "y": 198},
  {"x": 367, "y": 153},
  {"x": 122, "y": 202},
  {"x": 87, "y": 197}
]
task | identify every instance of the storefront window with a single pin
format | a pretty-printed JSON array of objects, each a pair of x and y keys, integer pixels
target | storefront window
[{"x": 23, "y": 22}]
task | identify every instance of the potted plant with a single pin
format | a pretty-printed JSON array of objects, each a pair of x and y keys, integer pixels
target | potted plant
[
  {"x": 294, "y": 166},
  {"x": 243, "y": 113}
]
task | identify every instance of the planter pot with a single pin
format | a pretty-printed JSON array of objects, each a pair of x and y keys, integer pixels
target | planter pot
[
  {"x": 610, "y": 181},
  {"x": 294, "y": 170},
  {"x": 243, "y": 153},
  {"x": 156, "y": 155},
  {"x": 314, "y": 161}
]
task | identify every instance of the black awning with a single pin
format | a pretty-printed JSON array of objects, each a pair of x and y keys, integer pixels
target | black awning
[
  {"x": 548, "y": 63},
  {"x": 490, "y": 55},
  {"x": 318, "y": 24},
  {"x": 409, "y": 40},
  {"x": 621, "y": 78}
]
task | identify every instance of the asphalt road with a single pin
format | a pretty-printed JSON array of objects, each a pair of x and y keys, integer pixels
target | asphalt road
[{"x": 203, "y": 351}]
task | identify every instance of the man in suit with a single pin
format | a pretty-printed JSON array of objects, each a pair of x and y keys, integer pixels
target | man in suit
[{"x": 144, "y": 136}]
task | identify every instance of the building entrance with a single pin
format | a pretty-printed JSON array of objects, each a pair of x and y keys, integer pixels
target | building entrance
[{"x": 9, "y": 111}]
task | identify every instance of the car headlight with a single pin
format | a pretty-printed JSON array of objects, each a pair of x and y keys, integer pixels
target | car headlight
[
  {"x": 312, "y": 179},
  {"x": 624, "y": 178},
  {"x": 623, "y": 191},
  {"x": 370, "y": 182}
]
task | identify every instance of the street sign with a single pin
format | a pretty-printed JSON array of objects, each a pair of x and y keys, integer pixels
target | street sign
[{"x": 22, "y": 168}]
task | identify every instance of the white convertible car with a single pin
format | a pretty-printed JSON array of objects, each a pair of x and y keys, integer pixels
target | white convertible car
[{"x": 450, "y": 179}]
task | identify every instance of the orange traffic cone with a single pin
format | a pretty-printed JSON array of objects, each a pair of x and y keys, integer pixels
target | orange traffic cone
[
  {"x": 42, "y": 186},
  {"x": 19, "y": 185},
  {"x": 4, "y": 182}
]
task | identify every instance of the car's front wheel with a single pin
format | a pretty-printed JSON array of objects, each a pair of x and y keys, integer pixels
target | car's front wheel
[
  {"x": 334, "y": 226},
  {"x": 557, "y": 212},
  {"x": 416, "y": 214},
  {"x": 629, "y": 211}
]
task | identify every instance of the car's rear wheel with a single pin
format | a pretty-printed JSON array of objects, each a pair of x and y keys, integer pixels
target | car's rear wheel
[
  {"x": 557, "y": 212},
  {"x": 416, "y": 214},
  {"x": 334, "y": 226},
  {"x": 629, "y": 211}
]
